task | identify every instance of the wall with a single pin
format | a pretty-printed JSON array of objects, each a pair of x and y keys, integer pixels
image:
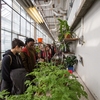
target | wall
[
  {"x": 71, "y": 15},
  {"x": 90, "y": 50}
]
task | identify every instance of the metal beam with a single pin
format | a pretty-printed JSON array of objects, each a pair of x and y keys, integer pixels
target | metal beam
[
  {"x": 51, "y": 16},
  {"x": 84, "y": 8}
]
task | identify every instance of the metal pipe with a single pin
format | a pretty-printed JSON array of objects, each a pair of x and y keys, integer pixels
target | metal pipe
[{"x": 43, "y": 5}]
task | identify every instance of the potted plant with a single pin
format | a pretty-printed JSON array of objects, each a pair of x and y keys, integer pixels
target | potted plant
[
  {"x": 64, "y": 47},
  {"x": 70, "y": 61},
  {"x": 64, "y": 30},
  {"x": 37, "y": 49},
  {"x": 51, "y": 83}
]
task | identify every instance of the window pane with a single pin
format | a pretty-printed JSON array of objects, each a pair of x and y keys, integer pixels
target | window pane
[
  {"x": 22, "y": 38},
  {"x": 32, "y": 31},
  {"x": 28, "y": 18},
  {"x": 8, "y": 2},
  {"x": 23, "y": 13},
  {"x": 16, "y": 22},
  {"x": 5, "y": 41},
  {"x": 2, "y": 55},
  {"x": 28, "y": 30},
  {"x": 23, "y": 28},
  {"x": 6, "y": 17},
  {"x": 14, "y": 36},
  {"x": 16, "y": 6}
]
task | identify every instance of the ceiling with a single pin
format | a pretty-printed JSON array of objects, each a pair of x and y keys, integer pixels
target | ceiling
[{"x": 50, "y": 10}]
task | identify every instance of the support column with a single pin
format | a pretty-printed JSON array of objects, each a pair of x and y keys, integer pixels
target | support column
[
  {"x": 35, "y": 31},
  {"x": 0, "y": 28}
]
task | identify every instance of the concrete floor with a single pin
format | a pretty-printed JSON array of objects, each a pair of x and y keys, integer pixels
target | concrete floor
[{"x": 90, "y": 97}]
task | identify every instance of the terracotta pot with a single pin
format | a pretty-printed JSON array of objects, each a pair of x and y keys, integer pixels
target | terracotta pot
[{"x": 67, "y": 36}]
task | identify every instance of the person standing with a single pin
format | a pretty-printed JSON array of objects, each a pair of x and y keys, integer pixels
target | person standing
[
  {"x": 11, "y": 61},
  {"x": 28, "y": 55}
]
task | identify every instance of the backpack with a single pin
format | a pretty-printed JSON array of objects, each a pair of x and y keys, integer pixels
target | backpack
[
  {"x": 0, "y": 68},
  {"x": 10, "y": 59},
  {"x": 18, "y": 77}
]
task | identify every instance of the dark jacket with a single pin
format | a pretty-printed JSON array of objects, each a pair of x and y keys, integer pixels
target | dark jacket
[
  {"x": 6, "y": 68},
  {"x": 28, "y": 58}
]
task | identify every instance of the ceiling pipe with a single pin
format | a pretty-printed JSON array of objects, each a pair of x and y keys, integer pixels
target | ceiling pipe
[
  {"x": 42, "y": 5},
  {"x": 56, "y": 13},
  {"x": 63, "y": 11},
  {"x": 54, "y": 29}
]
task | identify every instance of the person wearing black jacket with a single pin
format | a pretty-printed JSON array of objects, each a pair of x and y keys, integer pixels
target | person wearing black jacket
[{"x": 11, "y": 61}]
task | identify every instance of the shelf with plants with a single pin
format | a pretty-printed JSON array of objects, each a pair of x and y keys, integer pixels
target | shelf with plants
[
  {"x": 65, "y": 34},
  {"x": 70, "y": 39},
  {"x": 69, "y": 53}
]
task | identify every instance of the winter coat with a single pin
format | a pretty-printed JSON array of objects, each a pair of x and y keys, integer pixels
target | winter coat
[
  {"x": 6, "y": 68},
  {"x": 29, "y": 58}
]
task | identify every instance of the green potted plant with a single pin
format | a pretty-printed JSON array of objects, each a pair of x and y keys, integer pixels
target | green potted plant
[
  {"x": 37, "y": 49},
  {"x": 64, "y": 47},
  {"x": 70, "y": 61},
  {"x": 51, "y": 83},
  {"x": 64, "y": 30},
  {"x": 54, "y": 83}
]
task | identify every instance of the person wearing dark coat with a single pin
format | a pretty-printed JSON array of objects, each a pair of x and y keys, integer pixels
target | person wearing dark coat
[
  {"x": 11, "y": 61},
  {"x": 28, "y": 55}
]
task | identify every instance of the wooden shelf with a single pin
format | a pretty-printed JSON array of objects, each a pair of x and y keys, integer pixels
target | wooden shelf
[
  {"x": 69, "y": 53},
  {"x": 71, "y": 39}
]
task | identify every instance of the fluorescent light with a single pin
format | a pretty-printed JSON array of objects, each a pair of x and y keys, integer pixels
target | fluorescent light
[{"x": 36, "y": 16}]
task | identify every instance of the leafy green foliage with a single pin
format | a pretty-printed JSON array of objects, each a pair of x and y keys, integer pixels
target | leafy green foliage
[
  {"x": 3, "y": 94},
  {"x": 37, "y": 49},
  {"x": 71, "y": 60},
  {"x": 54, "y": 83},
  {"x": 51, "y": 83},
  {"x": 63, "y": 29}
]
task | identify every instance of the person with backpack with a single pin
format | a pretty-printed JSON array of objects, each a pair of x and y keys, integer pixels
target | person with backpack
[{"x": 12, "y": 61}]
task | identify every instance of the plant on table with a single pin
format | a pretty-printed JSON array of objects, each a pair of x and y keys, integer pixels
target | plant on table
[{"x": 51, "y": 83}]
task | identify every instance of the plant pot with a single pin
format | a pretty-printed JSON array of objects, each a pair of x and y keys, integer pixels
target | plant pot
[
  {"x": 40, "y": 40},
  {"x": 70, "y": 68},
  {"x": 67, "y": 36}
]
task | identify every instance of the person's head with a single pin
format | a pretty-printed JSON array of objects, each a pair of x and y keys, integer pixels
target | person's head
[
  {"x": 29, "y": 42},
  {"x": 46, "y": 47},
  {"x": 17, "y": 45}
]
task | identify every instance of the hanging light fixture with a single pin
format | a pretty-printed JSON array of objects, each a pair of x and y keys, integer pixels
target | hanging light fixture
[{"x": 35, "y": 14}]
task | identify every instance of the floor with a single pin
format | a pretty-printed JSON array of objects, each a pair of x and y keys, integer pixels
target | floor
[{"x": 90, "y": 97}]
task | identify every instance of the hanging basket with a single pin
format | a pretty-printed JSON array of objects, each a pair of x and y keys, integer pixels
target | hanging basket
[{"x": 40, "y": 40}]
